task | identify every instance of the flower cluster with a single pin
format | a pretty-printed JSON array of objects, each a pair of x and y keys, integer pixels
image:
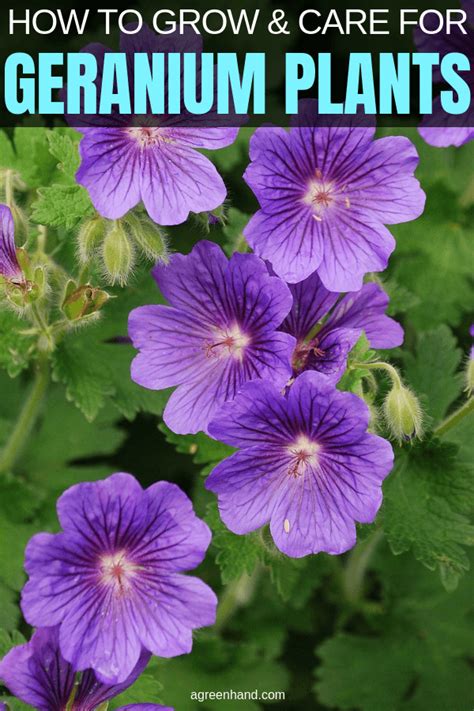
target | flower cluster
[
  {"x": 109, "y": 591},
  {"x": 240, "y": 344},
  {"x": 257, "y": 343}
]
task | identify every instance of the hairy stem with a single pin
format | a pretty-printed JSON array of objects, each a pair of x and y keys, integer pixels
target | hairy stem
[
  {"x": 380, "y": 365},
  {"x": 455, "y": 417},
  {"x": 26, "y": 419},
  {"x": 237, "y": 594},
  {"x": 357, "y": 565},
  {"x": 8, "y": 188}
]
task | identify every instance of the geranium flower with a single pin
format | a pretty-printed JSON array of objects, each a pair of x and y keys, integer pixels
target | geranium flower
[
  {"x": 9, "y": 266},
  {"x": 112, "y": 580},
  {"x": 148, "y": 158},
  {"x": 327, "y": 327},
  {"x": 38, "y": 675},
  {"x": 219, "y": 331},
  {"x": 325, "y": 194},
  {"x": 306, "y": 465},
  {"x": 440, "y": 129}
]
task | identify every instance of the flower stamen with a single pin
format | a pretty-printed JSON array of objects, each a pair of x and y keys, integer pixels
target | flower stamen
[{"x": 231, "y": 342}]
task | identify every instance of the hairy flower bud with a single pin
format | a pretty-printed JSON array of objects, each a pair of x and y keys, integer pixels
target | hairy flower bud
[
  {"x": 117, "y": 254},
  {"x": 91, "y": 234},
  {"x": 148, "y": 237},
  {"x": 403, "y": 413}
]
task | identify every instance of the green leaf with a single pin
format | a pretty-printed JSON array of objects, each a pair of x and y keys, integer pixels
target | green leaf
[
  {"x": 33, "y": 160},
  {"x": 7, "y": 153},
  {"x": 13, "y": 539},
  {"x": 426, "y": 499},
  {"x": 203, "y": 449},
  {"x": 16, "y": 348},
  {"x": 79, "y": 365},
  {"x": 416, "y": 658},
  {"x": 95, "y": 373},
  {"x": 9, "y": 610},
  {"x": 8, "y": 640},
  {"x": 237, "y": 555},
  {"x": 295, "y": 580},
  {"x": 431, "y": 371},
  {"x": 146, "y": 689},
  {"x": 233, "y": 231},
  {"x": 47, "y": 453},
  {"x": 64, "y": 147},
  {"x": 434, "y": 258},
  {"x": 220, "y": 666},
  {"x": 62, "y": 206},
  {"x": 401, "y": 299}
]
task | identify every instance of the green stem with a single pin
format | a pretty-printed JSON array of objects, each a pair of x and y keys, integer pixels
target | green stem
[
  {"x": 380, "y": 365},
  {"x": 357, "y": 565},
  {"x": 26, "y": 419},
  {"x": 455, "y": 417},
  {"x": 237, "y": 594}
]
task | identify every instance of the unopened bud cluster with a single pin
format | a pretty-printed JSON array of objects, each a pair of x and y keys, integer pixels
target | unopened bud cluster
[{"x": 117, "y": 244}]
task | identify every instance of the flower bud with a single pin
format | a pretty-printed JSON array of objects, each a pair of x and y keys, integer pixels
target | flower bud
[
  {"x": 82, "y": 301},
  {"x": 403, "y": 413},
  {"x": 117, "y": 254},
  {"x": 90, "y": 236},
  {"x": 149, "y": 238}
]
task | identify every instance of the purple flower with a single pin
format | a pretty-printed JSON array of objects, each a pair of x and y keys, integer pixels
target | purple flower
[
  {"x": 38, "y": 674},
  {"x": 9, "y": 267},
  {"x": 141, "y": 158},
  {"x": 325, "y": 194},
  {"x": 112, "y": 579},
  {"x": 219, "y": 331},
  {"x": 440, "y": 129},
  {"x": 306, "y": 464},
  {"x": 325, "y": 337}
]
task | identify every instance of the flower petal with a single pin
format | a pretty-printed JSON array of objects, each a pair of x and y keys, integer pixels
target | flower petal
[
  {"x": 175, "y": 538},
  {"x": 365, "y": 310},
  {"x": 352, "y": 248},
  {"x": 9, "y": 266},
  {"x": 248, "y": 487},
  {"x": 168, "y": 612},
  {"x": 175, "y": 180},
  {"x": 110, "y": 170},
  {"x": 161, "y": 333},
  {"x": 311, "y": 302},
  {"x": 290, "y": 240}
]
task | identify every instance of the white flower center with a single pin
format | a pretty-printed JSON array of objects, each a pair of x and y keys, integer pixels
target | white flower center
[
  {"x": 117, "y": 571},
  {"x": 304, "y": 453},
  {"x": 322, "y": 194},
  {"x": 228, "y": 342},
  {"x": 148, "y": 136}
]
